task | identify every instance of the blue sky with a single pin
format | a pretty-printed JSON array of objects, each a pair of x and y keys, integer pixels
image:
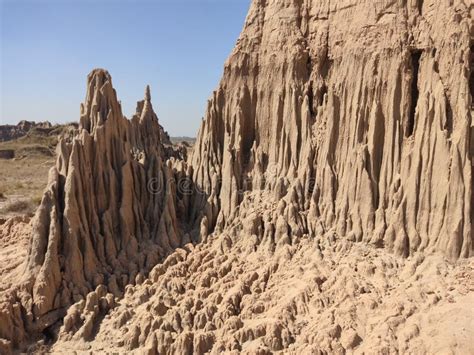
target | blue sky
[{"x": 177, "y": 46}]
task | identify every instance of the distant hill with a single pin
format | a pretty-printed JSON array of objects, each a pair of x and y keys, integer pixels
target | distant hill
[
  {"x": 180, "y": 139},
  {"x": 23, "y": 128}
]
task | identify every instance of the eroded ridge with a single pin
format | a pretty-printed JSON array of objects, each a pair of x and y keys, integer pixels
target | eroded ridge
[{"x": 98, "y": 223}]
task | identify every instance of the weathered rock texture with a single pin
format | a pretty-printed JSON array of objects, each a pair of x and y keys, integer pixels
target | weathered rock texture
[
  {"x": 339, "y": 128},
  {"x": 357, "y": 114},
  {"x": 109, "y": 213}
]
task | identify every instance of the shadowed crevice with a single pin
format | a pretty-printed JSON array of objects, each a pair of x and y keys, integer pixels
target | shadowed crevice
[{"x": 414, "y": 91}]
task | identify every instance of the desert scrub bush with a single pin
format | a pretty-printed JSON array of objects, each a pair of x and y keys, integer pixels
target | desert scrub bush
[{"x": 37, "y": 200}]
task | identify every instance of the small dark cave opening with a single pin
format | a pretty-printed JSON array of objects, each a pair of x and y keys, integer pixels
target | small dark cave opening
[
  {"x": 448, "y": 125},
  {"x": 311, "y": 100},
  {"x": 419, "y": 5},
  {"x": 50, "y": 334},
  {"x": 414, "y": 91},
  {"x": 322, "y": 92}
]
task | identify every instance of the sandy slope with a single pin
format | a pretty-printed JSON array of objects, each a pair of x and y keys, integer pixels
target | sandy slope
[{"x": 231, "y": 293}]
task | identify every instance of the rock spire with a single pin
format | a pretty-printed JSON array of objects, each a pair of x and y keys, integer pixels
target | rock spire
[{"x": 109, "y": 212}]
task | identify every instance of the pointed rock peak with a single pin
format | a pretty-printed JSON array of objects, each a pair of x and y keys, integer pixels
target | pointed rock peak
[
  {"x": 147, "y": 93},
  {"x": 145, "y": 108},
  {"x": 99, "y": 75},
  {"x": 101, "y": 101}
]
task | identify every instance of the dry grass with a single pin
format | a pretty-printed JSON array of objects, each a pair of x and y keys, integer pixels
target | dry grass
[
  {"x": 19, "y": 207},
  {"x": 23, "y": 183},
  {"x": 31, "y": 143},
  {"x": 19, "y": 185},
  {"x": 24, "y": 178}
]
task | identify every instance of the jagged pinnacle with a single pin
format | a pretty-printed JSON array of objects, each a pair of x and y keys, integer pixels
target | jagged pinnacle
[
  {"x": 147, "y": 93},
  {"x": 99, "y": 74}
]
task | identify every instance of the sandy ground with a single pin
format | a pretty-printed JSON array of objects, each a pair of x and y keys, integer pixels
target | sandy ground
[
  {"x": 232, "y": 294},
  {"x": 326, "y": 295}
]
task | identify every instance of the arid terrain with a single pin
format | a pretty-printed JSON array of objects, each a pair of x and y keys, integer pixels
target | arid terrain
[
  {"x": 326, "y": 205},
  {"x": 27, "y": 152}
]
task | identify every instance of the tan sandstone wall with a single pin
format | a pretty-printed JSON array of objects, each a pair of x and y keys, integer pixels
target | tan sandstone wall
[{"x": 357, "y": 113}]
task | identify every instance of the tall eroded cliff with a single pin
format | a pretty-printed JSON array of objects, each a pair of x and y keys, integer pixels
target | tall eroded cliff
[{"x": 356, "y": 114}]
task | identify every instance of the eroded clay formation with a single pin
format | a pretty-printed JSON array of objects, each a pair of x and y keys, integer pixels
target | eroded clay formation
[
  {"x": 109, "y": 213},
  {"x": 357, "y": 114},
  {"x": 332, "y": 179}
]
